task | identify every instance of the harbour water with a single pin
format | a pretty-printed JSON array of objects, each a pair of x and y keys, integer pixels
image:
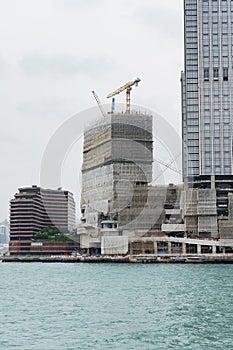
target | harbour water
[{"x": 115, "y": 306}]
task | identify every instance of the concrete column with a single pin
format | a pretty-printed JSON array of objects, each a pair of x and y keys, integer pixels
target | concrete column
[
  {"x": 184, "y": 248},
  {"x": 169, "y": 248},
  {"x": 212, "y": 182},
  {"x": 224, "y": 250},
  {"x": 214, "y": 249},
  {"x": 131, "y": 248},
  {"x": 155, "y": 248},
  {"x": 198, "y": 249},
  {"x": 143, "y": 248}
]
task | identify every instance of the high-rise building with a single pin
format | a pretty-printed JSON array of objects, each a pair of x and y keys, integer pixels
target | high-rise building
[
  {"x": 34, "y": 208},
  {"x": 3, "y": 234},
  {"x": 117, "y": 168},
  {"x": 207, "y": 88},
  {"x": 118, "y": 200}
]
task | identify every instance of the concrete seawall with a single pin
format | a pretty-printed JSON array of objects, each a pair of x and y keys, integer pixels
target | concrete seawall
[{"x": 143, "y": 259}]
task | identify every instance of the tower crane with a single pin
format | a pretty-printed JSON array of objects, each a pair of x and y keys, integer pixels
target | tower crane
[
  {"x": 128, "y": 88},
  {"x": 99, "y": 104},
  {"x": 167, "y": 166}
]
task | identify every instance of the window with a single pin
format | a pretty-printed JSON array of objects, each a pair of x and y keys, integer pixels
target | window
[
  {"x": 216, "y": 91},
  {"x": 226, "y": 142},
  {"x": 206, "y": 61},
  {"x": 225, "y": 90},
  {"x": 208, "y": 149},
  {"x": 215, "y": 6},
  {"x": 224, "y": 39},
  {"x": 215, "y": 28},
  {"x": 215, "y": 50},
  {"x": 225, "y": 60},
  {"x": 215, "y": 17},
  {"x": 224, "y": 28},
  {"x": 224, "y": 17},
  {"x": 215, "y": 39},
  {"x": 216, "y": 61},
  {"x": 217, "y": 170},
  {"x": 205, "y": 17},
  {"x": 216, "y": 73},
  {"x": 224, "y": 50},
  {"x": 225, "y": 74},
  {"x": 206, "y": 74},
  {"x": 205, "y": 6},
  {"x": 227, "y": 169},
  {"x": 192, "y": 128},
  {"x": 207, "y": 170},
  {"x": 206, "y": 28}
]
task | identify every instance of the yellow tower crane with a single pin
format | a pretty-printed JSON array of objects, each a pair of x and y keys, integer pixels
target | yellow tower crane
[{"x": 128, "y": 88}]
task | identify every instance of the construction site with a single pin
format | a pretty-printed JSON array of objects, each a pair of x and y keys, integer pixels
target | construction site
[{"x": 123, "y": 213}]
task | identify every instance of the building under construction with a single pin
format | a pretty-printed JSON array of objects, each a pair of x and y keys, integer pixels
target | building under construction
[
  {"x": 117, "y": 168},
  {"x": 207, "y": 206},
  {"x": 118, "y": 201},
  {"x": 122, "y": 212}
]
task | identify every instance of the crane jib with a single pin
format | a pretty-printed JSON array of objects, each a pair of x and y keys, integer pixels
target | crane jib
[{"x": 128, "y": 88}]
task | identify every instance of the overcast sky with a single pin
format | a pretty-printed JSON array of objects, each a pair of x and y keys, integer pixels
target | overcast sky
[{"x": 53, "y": 53}]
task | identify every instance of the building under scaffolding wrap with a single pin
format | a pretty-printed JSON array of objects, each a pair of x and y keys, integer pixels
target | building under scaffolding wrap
[
  {"x": 117, "y": 168},
  {"x": 118, "y": 202},
  {"x": 120, "y": 207}
]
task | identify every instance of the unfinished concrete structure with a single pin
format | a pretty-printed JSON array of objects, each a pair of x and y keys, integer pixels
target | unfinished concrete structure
[
  {"x": 117, "y": 168},
  {"x": 200, "y": 213},
  {"x": 120, "y": 207},
  {"x": 207, "y": 205},
  {"x": 226, "y": 226},
  {"x": 117, "y": 198}
]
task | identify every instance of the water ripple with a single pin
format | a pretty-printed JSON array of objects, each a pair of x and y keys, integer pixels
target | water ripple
[{"x": 125, "y": 307}]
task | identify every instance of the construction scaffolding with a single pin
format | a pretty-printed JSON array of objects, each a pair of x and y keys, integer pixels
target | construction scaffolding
[
  {"x": 226, "y": 226},
  {"x": 117, "y": 168},
  {"x": 200, "y": 212}
]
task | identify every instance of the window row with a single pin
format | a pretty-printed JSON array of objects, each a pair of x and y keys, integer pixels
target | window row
[
  {"x": 215, "y": 61},
  {"x": 216, "y": 74}
]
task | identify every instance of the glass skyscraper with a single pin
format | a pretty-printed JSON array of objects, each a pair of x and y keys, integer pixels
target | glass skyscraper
[{"x": 207, "y": 87}]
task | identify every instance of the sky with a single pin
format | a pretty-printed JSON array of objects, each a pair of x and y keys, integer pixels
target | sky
[{"x": 53, "y": 53}]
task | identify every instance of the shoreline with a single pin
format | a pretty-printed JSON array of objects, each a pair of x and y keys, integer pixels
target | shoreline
[{"x": 138, "y": 259}]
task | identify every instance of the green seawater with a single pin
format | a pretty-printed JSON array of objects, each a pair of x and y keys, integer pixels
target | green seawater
[{"x": 116, "y": 306}]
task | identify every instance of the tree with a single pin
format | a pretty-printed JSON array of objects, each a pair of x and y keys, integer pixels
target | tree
[{"x": 52, "y": 234}]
